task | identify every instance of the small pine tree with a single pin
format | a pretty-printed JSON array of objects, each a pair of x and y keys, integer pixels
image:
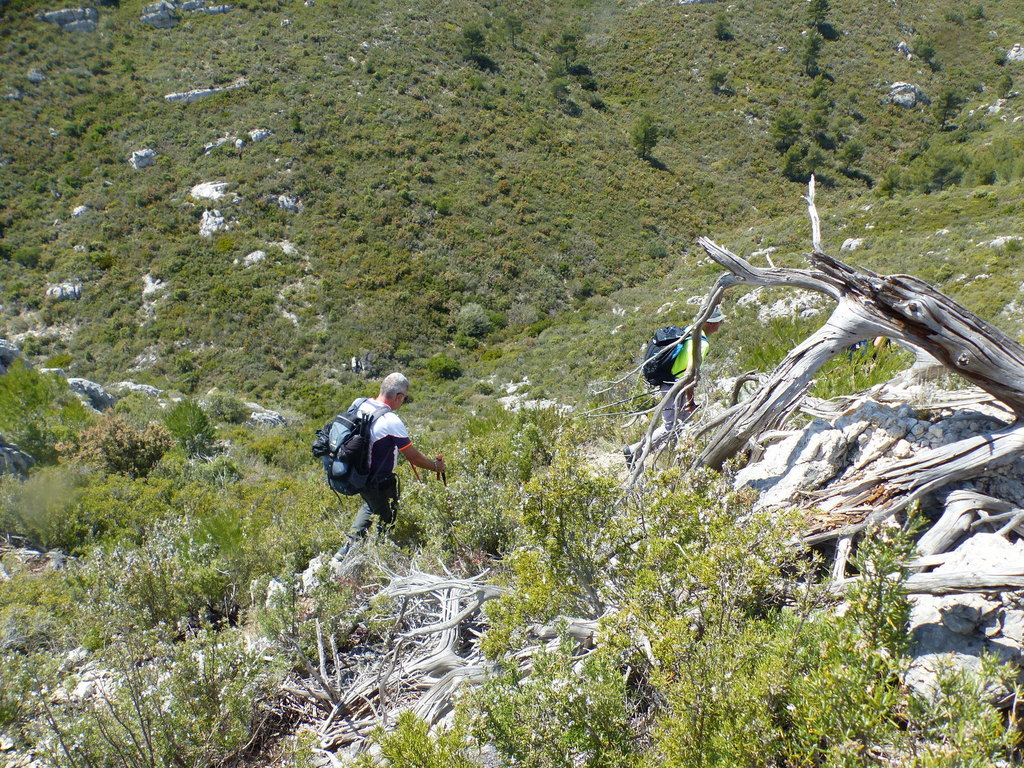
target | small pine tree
[
  {"x": 817, "y": 13},
  {"x": 646, "y": 134},
  {"x": 723, "y": 31},
  {"x": 809, "y": 54}
]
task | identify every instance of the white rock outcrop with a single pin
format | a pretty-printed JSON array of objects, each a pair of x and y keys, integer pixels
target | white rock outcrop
[
  {"x": 253, "y": 258},
  {"x": 209, "y": 190},
  {"x": 160, "y": 15},
  {"x": 851, "y": 244},
  {"x": 142, "y": 158},
  {"x": 1016, "y": 53},
  {"x": 130, "y": 386},
  {"x": 72, "y": 19},
  {"x": 264, "y": 417},
  {"x": 80, "y": 210},
  {"x": 93, "y": 394},
  {"x": 9, "y": 352},
  {"x": 906, "y": 95},
  {"x": 188, "y": 97},
  {"x": 212, "y": 222},
  {"x": 260, "y": 134},
  {"x": 288, "y": 203},
  {"x": 36, "y": 76},
  {"x": 954, "y": 631},
  {"x": 70, "y": 291}
]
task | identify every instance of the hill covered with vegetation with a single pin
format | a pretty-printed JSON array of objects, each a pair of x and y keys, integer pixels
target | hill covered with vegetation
[{"x": 280, "y": 201}]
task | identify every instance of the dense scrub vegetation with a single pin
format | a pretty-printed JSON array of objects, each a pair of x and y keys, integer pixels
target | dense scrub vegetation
[
  {"x": 164, "y": 638},
  {"x": 489, "y": 194},
  {"x": 449, "y": 158}
]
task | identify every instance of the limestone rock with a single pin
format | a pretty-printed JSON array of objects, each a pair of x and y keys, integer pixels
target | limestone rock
[
  {"x": 71, "y": 291},
  {"x": 260, "y": 134},
  {"x": 207, "y": 148},
  {"x": 209, "y": 190},
  {"x": 851, "y": 244},
  {"x": 9, "y": 352},
  {"x": 212, "y": 222},
  {"x": 79, "y": 211},
  {"x": 160, "y": 15},
  {"x": 801, "y": 460},
  {"x": 72, "y": 19},
  {"x": 36, "y": 76},
  {"x": 288, "y": 203},
  {"x": 1016, "y": 53},
  {"x": 188, "y": 97},
  {"x": 904, "y": 49},
  {"x": 906, "y": 95},
  {"x": 131, "y": 386},
  {"x": 13, "y": 461},
  {"x": 254, "y": 258},
  {"x": 264, "y": 417},
  {"x": 92, "y": 393},
  {"x": 142, "y": 158}
]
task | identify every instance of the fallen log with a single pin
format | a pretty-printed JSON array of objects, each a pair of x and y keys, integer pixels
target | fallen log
[{"x": 952, "y": 583}]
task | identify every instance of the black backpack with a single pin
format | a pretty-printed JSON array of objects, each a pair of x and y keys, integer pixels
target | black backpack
[
  {"x": 343, "y": 445},
  {"x": 661, "y": 355}
]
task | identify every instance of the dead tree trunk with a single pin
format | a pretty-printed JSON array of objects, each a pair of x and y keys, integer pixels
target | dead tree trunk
[{"x": 901, "y": 308}]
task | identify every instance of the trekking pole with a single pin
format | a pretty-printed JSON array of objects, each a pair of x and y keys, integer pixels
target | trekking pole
[
  {"x": 416, "y": 473},
  {"x": 442, "y": 476}
]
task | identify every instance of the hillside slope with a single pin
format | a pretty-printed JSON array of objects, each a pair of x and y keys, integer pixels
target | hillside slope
[{"x": 428, "y": 161}]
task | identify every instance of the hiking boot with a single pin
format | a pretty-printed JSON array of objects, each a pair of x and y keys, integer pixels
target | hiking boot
[{"x": 345, "y": 548}]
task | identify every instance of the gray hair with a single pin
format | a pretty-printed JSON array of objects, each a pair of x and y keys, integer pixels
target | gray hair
[{"x": 394, "y": 384}]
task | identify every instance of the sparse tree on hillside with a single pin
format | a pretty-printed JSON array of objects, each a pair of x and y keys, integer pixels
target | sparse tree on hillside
[
  {"x": 947, "y": 106},
  {"x": 473, "y": 43},
  {"x": 817, "y": 13},
  {"x": 646, "y": 134},
  {"x": 567, "y": 47},
  {"x": 514, "y": 27},
  {"x": 809, "y": 54},
  {"x": 723, "y": 31},
  {"x": 925, "y": 50}
]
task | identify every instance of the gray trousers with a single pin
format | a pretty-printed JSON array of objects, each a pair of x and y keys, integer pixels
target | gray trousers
[
  {"x": 668, "y": 417},
  {"x": 380, "y": 502}
]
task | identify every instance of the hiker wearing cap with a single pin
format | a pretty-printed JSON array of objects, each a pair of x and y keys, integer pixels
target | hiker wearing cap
[
  {"x": 388, "y": 438},
  {"x": 683, "y": 360}
]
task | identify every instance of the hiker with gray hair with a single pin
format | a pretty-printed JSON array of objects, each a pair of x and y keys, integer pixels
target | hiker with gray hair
[
  {"x": 388, "y": 438},
  {"x": 680, "y": 358}
]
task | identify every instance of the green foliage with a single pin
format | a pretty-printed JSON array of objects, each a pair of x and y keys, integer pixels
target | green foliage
[
  {"x": 473, "y": 320},
  {"x": 226, "y": 408},
  {"x": 190, "y": 703},
  {"x": 37, "y": 411},
  {"x": 566, "y": 714},
  {"x": 410, "y": 744},
  {"x": 810, "y": 52},
  {"x": 41, "y": 507},
  {"x": 444, "y": 367},
  {"x": 722, "y": 28},
  {"x": 817, "y": 13},
  {"x": 947, "y": 105},
  {"x": 645, "y": 135},
  {"x": 850, "y": 699},
  {"x": 191, "y": 427},
  {"x": 115, "y": 445},
  {"x": 924, "y": 49}
]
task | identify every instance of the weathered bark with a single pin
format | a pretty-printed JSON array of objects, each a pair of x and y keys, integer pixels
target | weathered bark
[{"x": 951, "y": 583}]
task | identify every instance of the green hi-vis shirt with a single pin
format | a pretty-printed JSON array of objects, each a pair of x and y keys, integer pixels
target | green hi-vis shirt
[{"x": 684, "y": 356}]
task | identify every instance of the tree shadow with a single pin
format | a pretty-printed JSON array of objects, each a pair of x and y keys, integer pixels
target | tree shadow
[
  {"x": 656, "y": 164},
  {"x": 828, "y": 32},
  {"x": 485, "y": 63}
]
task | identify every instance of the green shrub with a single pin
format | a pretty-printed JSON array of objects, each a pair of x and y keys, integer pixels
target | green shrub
[
  {"x": 116, "y": 446},
  {"x": 473, "y": 320},
  {"x": 566, "y": 713},
  {"x": 226, "y": 408},
  {"x": 444, "y": 367},
  {"x": 42, "y": 507},
  {"x": 191, "y": 703},
  {"x": 412, "y": 745},
  {"x": 191, "y": 427},
  {"x": 37, "y": 411}
]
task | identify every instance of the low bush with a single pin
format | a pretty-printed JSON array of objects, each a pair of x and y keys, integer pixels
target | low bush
[{"x": 114, "y": 445}]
